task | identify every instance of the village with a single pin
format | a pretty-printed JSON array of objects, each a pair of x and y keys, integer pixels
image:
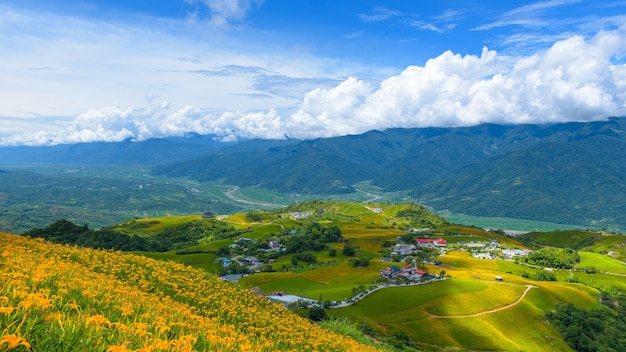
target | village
[{"x": 407, "y": 260}]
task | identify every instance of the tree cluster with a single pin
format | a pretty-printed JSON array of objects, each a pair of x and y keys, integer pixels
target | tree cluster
[
  {"x": 553, "y": 257},
  {"x": 66, "y": 232},
  {"x": 601, "y": 329},
  {"x": 171, "y": 238},
  {"x": 315, "y": 238}
]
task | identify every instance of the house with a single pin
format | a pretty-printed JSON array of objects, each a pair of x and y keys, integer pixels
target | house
[
  {"x": 404, "y": 249},
  {"x": 251, "y": 261},
  {"x": 483, "y": 255},
  {"x": 409, "y": 272},
  {"x": 432, "y": 243},
  {"x": 275, "y": 245},
  {"x": 244, "y": 240},
  {"x": 440, "y": 242},
  {"x": 414, "y": 230},
  {"x": 225, "y": 261},
  {"x": 515, "y": 253},
  {"x": 299, "y": 215}
]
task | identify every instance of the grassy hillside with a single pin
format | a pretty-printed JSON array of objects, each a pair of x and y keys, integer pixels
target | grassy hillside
[
  {"x": 575, "y": 239},
  {"x": 472, "y": 311},
  {"x": 60, "y": 298},
  {"x": 469, "y": 310}
]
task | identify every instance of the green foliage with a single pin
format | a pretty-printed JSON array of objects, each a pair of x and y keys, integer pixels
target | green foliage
[
  {"x": 66, "y": 232},
  {"x": 348, "y": 250},
  {"x": 316, "y": 314},
  {"x": 553, "y": 257},
  {"x": 308, "y": 257},
  {"x": 417, "y": 215},
  {"x": 574, "y": 239},
  {"x": 360, "y": 262},
  {"x": 602, "y": 329},
  {"x": 170, "y": 238},
  {"x": 315, "y": 238},
  {"x": 254, "y": 216},
  {"x": 544, "y": 276},
  {"x": 189, "y": 233}
]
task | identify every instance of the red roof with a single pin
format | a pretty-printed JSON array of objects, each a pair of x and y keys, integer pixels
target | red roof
[
  {"x": 423, "y": 240},
  {"x": 440, "y": 240},
  {"x": 420, "y": 272}
]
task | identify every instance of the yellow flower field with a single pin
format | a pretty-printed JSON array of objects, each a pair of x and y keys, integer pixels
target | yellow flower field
[{"x": 62, "y": 298}]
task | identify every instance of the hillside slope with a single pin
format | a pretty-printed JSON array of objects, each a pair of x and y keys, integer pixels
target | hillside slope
[{"x": 61, "y": 298}]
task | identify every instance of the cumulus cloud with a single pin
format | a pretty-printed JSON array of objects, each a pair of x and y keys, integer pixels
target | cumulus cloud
[{"x": 576, "y": 79}]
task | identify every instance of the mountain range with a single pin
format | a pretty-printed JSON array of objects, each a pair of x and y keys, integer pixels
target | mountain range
[{"x": 566, "y": 173}]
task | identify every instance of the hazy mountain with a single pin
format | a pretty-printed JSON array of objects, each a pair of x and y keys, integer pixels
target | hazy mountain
[
  {"x": 149, "y": 152},
  {"x": 572, "y": 172}
]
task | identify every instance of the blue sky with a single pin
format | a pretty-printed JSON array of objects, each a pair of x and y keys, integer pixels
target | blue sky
[{"x": 81, "y": 71}]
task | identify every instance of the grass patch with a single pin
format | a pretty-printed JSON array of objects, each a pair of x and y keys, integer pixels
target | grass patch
[{"x": 601, "y": 262}]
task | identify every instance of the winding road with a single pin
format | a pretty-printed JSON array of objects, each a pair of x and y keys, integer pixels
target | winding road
[{"x": 231, "y": 195}]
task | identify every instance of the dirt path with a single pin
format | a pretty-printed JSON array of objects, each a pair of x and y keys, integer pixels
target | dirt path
[{"x": 528, "y": 287}]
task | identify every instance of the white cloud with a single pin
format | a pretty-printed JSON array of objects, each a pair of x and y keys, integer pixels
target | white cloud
[
  {"x": 576, "y": 79},
  {"x": 572, "y": 81},
  {"x": 379, "y": 14}
]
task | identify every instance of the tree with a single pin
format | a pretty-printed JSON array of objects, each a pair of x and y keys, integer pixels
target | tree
[
  {"x": 348, "y": 250},
  {"x": 223, "y": 251},
  {"x": 317, "y": 314},
  {"x": 362, "y": 261},
  {"x": 332, "y": 252}
]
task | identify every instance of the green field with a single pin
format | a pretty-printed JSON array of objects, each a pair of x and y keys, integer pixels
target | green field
[
  {"x": 506, "y": 223},
  {"x": 616, "y": 245},
  {"x": 518, "y": 327},
  {"x": 472, "y": 310},
  {"x": 333, "y": 281},
  {"x": 561, "y": 238},
  {"x": 601, "y": 262}
]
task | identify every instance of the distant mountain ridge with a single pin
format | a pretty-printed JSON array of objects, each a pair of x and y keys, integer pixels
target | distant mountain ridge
[
  {"x": 569, "y": 173},
  {"x": 150, "y": 152}
]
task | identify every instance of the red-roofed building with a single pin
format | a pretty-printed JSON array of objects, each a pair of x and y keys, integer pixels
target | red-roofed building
[{"x": 429, "y": 242}]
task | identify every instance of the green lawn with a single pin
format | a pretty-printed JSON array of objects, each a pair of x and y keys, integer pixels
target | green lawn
[
  {"x": 301, "y": 286},
  {"x": 520, "y": 327},
  {"x": 601, "y": 262},
  {"x": 562, "y": 238}
]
